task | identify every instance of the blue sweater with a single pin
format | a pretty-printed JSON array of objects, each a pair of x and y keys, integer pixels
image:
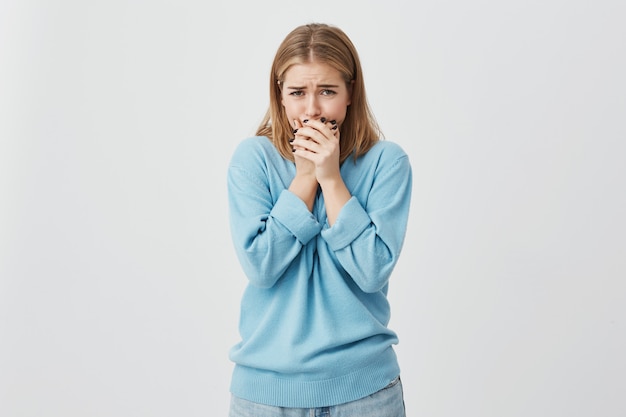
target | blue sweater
[{"x": 314, "y": 314}]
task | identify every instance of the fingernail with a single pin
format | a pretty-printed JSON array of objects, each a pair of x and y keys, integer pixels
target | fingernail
[
  {"x": 291, "y": 140},
  {"x": 323, "y": 120},
  {"x": 305, "y": 120},
  {"x": 334, "y": 127},
  {"x": 293, "y": 149},
  {"x": 333, "y": 122},
  {"x": 295, "y": 131}
]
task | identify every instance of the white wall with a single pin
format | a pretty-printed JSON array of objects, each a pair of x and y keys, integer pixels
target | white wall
[{"x": 119, "y": 288}]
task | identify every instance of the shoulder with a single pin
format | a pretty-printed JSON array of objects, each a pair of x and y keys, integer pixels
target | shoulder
[
  {"x": 255, "y": 144},
  {"x": 385, "y": 154},
  {"x": 251, "y": 149},
  {"x": 387, "y": 149}
]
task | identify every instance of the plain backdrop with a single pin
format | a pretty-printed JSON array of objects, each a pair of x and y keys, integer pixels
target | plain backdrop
[{"x": 119, "y": 288}]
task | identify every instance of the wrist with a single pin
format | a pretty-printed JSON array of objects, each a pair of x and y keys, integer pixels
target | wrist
[
  {"x": 331, "y": 182},
  {"x": 305, "y": 187},
  {"x": 306, "y": 180}
]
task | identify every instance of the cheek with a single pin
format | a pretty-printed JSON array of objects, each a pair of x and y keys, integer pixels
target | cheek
[
  {"x": 290, "y": 107},
  {"x": 337, "y": 111}
]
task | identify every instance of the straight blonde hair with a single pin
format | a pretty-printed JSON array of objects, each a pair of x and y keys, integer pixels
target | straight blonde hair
[{"x": 322, "y": 43}]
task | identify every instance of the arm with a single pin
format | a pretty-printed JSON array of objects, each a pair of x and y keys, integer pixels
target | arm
[
  {"x": 268, "y": 231},
  {"x": 336, "y": 195},
  {"x": 317, "y": 145},
  {"x": 304, "y": 184},
  {"x": 367, "y": 236}
]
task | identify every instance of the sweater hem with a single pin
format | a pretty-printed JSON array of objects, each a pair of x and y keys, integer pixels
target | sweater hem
[{"x": 284, "y": 390}]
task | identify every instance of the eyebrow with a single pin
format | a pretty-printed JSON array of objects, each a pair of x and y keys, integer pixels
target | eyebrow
[{"x": 317, "y": 86}]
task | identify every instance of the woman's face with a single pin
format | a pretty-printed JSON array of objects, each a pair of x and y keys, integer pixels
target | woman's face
[{"x": 314, "y": 90}]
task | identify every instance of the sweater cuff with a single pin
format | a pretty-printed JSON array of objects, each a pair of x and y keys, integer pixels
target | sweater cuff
[
  {"x": 293, "y": 213},
  {"x": 351, "y": 222}
]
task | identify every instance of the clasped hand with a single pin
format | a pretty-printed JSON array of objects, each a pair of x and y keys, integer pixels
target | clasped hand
[{"x": 316, "y": 149}]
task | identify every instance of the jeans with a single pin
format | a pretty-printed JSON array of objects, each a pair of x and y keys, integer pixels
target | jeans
[{"x": 388, "y": 402}]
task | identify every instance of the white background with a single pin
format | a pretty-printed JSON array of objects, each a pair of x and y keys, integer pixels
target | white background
[{"x": 119, "y": 289}]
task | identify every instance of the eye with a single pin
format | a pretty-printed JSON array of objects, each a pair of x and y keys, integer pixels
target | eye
[
  {"x": 297, "y": 93},
  {"x": 327, "y": 92}
]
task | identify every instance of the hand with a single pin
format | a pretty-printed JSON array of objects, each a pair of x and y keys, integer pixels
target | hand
[
  {"x": 304, "y": 184},
  {"x": 317, "y": 142},
  {"x": 304, "y": 167}
]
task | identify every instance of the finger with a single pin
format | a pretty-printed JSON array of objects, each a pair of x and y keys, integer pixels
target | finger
[
  {"x": 330, "y": 124},
  {"x": 296, "y": 126},
  {"x": 328, "y": 128},
  {"x": 334, "y": 127},
  {"x": 305, "y": 143},
  {"x": 316, "y": 124},
  {"x": 318, "y": 133}
]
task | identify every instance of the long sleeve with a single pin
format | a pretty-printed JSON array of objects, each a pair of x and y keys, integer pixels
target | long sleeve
[
  {"x": 269, "y": 229},
  {"x": 314, "y": 315},
  {"x": 369, "y": 233}
]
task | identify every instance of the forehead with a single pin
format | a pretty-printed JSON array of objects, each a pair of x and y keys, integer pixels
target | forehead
[{"x": 312, "y": 72}]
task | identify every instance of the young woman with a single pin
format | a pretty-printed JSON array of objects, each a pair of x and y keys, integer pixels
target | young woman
[{"x": 318, "y": 215}]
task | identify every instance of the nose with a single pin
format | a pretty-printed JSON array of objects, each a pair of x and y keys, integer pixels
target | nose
[{"x": 312, "y": 106}]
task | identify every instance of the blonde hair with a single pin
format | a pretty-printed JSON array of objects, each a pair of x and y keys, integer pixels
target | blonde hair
[{"x": 328, "y": 45}]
